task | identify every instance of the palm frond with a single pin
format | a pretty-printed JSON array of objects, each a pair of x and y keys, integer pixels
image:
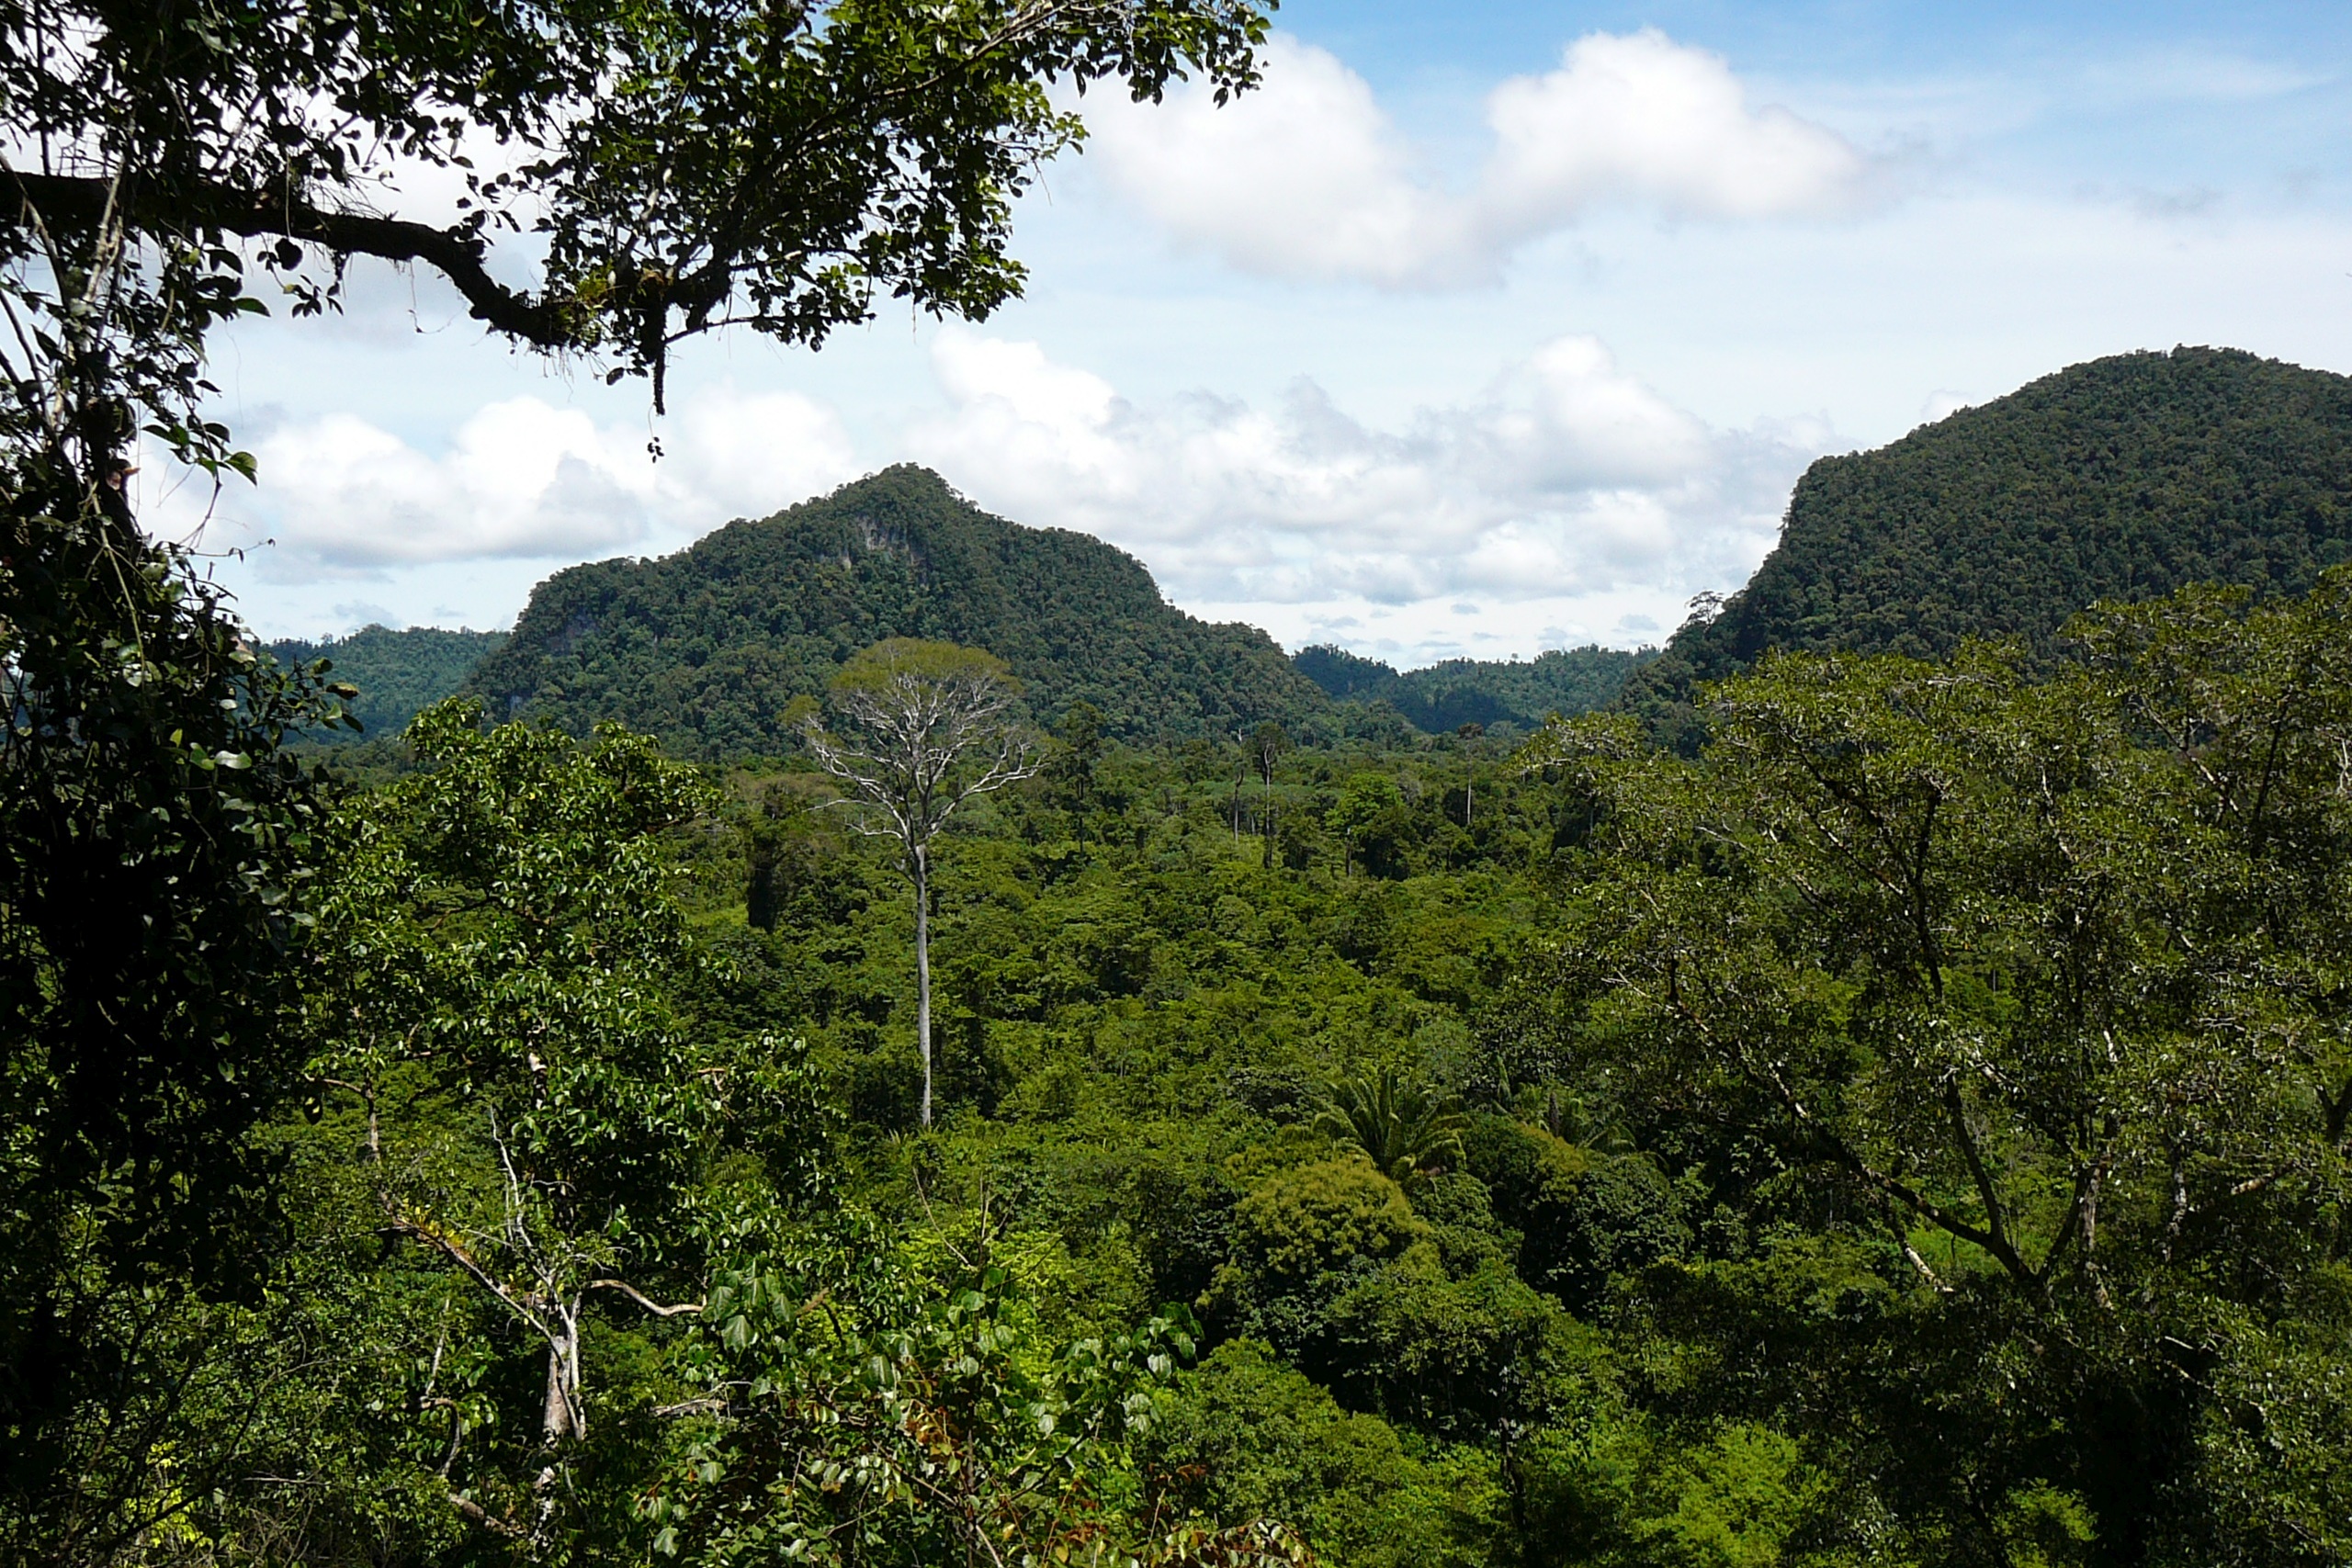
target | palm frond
[{"x": 1404, "y": 1128}]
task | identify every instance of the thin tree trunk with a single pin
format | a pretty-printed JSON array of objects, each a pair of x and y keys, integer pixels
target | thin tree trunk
[
  {"x": 564, "y": 1416},
  {"x": 923, "y": 970},
  {"x": 555, "y": 1411},
  {"x": 1269, "y": 859}
]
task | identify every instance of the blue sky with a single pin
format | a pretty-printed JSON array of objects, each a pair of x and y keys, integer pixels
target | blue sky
[{"x": 1483, "y": 328}]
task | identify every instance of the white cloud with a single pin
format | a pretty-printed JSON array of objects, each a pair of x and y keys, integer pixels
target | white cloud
[
  {"x": 1569, "y": 484},
  {"x": 1643, "y": 119},
  {"x": 1304, "y": 178},
  {"x": 339, "y": 496},
  {"x": 1308, "y": 178}
]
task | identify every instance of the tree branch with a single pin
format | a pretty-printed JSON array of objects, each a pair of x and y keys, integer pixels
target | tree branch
[
  {"x": 1998, "y": 1236},
  {"x": 633, "y": 1293},
  {"x": 475, "y": 1512},
  {"x": 81, "y": 201},
  {"x": 451, "y": 1248}
]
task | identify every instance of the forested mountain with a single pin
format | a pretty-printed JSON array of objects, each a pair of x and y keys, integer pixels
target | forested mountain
[
  {"x": 398, "y": 672},
  {"x": 1461, "y": 1152},
  {"x": 2121, "y": 478},
  {"x": 1912, "y": 1130},
  {"x": 705, "y": 647},
  {"x": 1447, "y": 696}
]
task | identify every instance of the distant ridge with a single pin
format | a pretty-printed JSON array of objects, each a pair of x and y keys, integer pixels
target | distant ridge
[
  {"x": 2124, "y": 478},
  {"x": 703, "y": 648},
  {"x": 1444, "y": 696},
  {"x": 398, "y": 672}
]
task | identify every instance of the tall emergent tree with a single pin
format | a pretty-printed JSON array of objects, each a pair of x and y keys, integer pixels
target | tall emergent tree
[
  {"x": 931, "y": 726},
  {"x": 665, "y": 170},
  {"x": 1267, "y": 744}
]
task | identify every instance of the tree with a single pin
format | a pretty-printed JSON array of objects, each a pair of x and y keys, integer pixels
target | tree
[
  {"x": 1267, "y": 744},
  {"x": 157, "y": 847},
  {"x": 1403, "y": 1129},
  {"x": 681, "y": 168},
  {"x": 1070, "y": 768},
  {"x": 1466, "y": 733},
  {"x": 1367, "y": 816},
  {"x": 931, "y": 727},
  {"x": 2044, "y": 980},
  {"x": 851, "y": 1418},
  {"x": 494, "y": 988}
]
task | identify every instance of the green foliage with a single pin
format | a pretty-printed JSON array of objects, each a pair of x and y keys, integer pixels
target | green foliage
[
  {"x": 851, "y": 1420},
  {"x": 704, "y": 649},
  {"x": 157, "y": 853},
  {"x": 2035, "y": 980},
  {"x": 398, "y": 674},
  {"x": 1298, "y": 1225},
  {"x": 2122, "y": 478},
  {"x": 1911, "y": 1130},
  {"x": 1737, "y": 1497},
  {"x": 1369, "y": 817},
  {"x": 1441, "y": 698},
  {"x": 1251, "y": 1437},
  {"x": 1072, "y": 767},
  {"x": 1403, "y": 1128},
  {"x": 499, "y": 959},
  {"x": 642, "y": 151}
]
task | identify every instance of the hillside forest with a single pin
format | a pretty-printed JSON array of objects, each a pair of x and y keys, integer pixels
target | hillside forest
[
  {"x": 1911, "y": 1130},
  {"x": 878, "y": 1041}
]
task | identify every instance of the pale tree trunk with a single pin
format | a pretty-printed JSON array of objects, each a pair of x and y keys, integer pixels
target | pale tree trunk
[
  {"x": 922, "y": 862},
  {"x": 565, "y": 1418}
]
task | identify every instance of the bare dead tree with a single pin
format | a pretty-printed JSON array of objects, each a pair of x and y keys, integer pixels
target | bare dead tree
[
  {"x": 1266, "y": 746},
  {"x": 929, "y": 726},
  {"x": 539, "y": 1275}
]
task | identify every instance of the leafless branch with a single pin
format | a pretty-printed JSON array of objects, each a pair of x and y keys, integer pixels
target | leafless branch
[{"x": 633, "y": 1293}]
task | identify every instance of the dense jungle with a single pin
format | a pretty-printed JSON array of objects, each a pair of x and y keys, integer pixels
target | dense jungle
[
  {"x": 875, "y": 1040},
  {"x": 1910, "y": 1131}
]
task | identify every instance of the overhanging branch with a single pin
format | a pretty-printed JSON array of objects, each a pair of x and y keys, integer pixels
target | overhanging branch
[{"x": 71, "y": 202}]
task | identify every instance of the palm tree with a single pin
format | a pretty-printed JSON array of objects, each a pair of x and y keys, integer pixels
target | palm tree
[{"x": 1407, "y": 1130}]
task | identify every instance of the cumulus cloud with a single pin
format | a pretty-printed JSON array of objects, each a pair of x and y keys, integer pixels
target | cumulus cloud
[
  {"x": 339, "y": 496},
  {"x": 1568, "y": 479},
  {"x": 1305, "y": 177},
  {"x": 1308, "y": 178},
  {"x": 1641, "y": 119},
  {"x": 1567, "y": 502}
]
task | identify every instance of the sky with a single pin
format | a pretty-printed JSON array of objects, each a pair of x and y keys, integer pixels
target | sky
[{"x": 1481, "y": 328}]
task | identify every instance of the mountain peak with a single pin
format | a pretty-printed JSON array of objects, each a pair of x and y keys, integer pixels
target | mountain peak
[
  {"x": 2123, "y": 477},
  {"x": 705, "y": 647}
]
